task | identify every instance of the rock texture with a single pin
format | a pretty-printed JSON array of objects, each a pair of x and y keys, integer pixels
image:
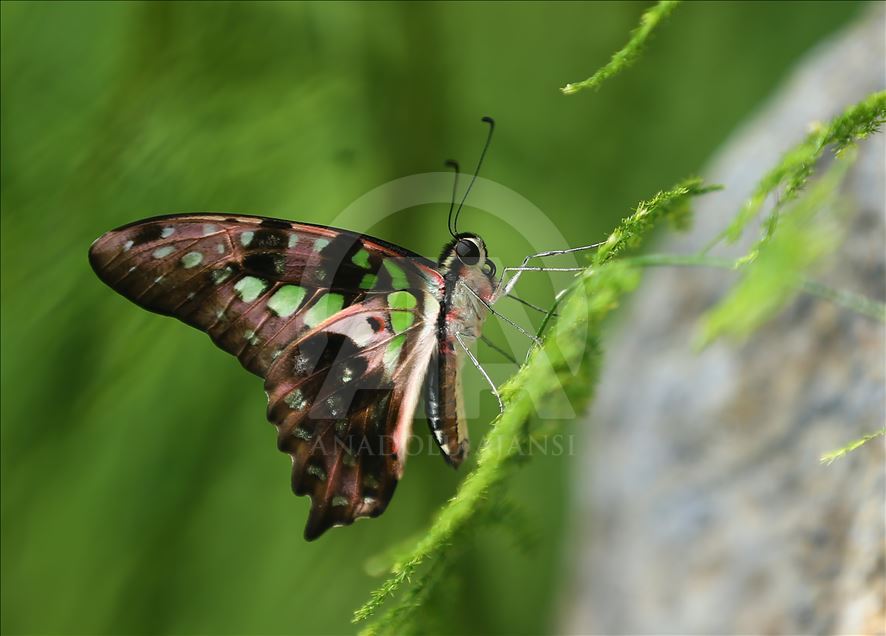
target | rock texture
[{"x": 703, "y": 507}]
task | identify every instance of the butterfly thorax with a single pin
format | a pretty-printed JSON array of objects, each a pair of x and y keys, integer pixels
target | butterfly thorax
[
  {"x": 470, "y": 286},
  {"x": 465, "y": 312}
]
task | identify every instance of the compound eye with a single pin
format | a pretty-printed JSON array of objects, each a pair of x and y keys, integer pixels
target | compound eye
[{"x": 467, "y": 252}]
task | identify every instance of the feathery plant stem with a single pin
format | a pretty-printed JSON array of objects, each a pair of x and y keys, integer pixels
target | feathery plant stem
[
  {"x": 796, "y": 166},
  {"x": 858, "y": 303},
  {"x": 774, "y": 268},
  {"x": 673, "y": 203},
  {"x": 682, "y": 260},
  {"x": 627, "y": 55},
  {"x": 568, "y": 361},
  {"x": 829, "y": 458}
]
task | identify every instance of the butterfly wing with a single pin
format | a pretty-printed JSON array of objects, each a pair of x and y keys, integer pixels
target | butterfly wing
[
  {"x": 343, "y": 396},
  {"x": 253, "y": 284},
  {"x": 304, "y": 307}
]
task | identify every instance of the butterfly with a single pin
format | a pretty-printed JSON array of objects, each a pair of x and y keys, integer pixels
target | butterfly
[{"x": 348, "y": 332}]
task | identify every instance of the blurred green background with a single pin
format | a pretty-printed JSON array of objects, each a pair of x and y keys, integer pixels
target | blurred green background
[{"x": 141, "y": 488}]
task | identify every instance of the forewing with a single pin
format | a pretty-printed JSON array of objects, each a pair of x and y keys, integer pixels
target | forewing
[
  {"x": 253, "y": 284},
  {"x": 343, "y": 397}
]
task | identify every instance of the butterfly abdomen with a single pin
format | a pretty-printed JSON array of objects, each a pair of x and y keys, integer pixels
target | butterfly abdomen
[{"x": 443, "y": 405}]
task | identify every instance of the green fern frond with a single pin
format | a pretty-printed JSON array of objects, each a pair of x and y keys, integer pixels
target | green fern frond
[
  {"x": 626, "y": 56},
  {"x": 402, "y": 618},
  {"x": 673, "y": 203},
  {"x": 796, "y": 166},
  {"x": 774, "y": 271}
]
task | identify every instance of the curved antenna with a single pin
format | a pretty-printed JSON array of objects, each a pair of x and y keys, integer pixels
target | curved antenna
[
  {"x": 452, "y": 163},
  {"x": 491, "y": 123}
]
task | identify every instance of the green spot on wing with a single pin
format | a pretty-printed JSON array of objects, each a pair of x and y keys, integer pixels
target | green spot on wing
[
  {"x": 295, "y": 400},
  {"x": 369, "y": 281},
  {"x": 317, "y": 472},
  {"x": 392, "y": 352},
  {"x": 361, "y": 259},
  {"x": 221, "y": 275},
  {"x": 398, "y": 276},
  {"x": 192, "y": 259},
  {"x": 249, "y": 288},
  {"x": 401, "y": 320},
  {"x": 324, "y": 307},
  {"x": 370, "y": 481},
  {"x": 163, "y": 252},
  {"x": 401, "y": 304},
  {"x": 286, "y": 300},
  {"x": 402, "y": 300}
]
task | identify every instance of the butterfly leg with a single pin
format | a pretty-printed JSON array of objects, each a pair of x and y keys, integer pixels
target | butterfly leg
[
  {"x": 476, "y": 363},
  {"x": 504, "y": 289},
  {"x": 499, "y": 350},
  {"x": 503, "y": 317},
  {"x": 540, "y": 310}
]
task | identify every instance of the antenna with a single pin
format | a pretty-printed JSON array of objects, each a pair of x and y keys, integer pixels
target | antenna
[
  {"x": 491, "y": 123},
  {"x": 454, "y": 165}
]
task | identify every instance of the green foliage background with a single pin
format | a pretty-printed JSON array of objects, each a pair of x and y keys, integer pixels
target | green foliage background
[{"x": 141, "y": 490}]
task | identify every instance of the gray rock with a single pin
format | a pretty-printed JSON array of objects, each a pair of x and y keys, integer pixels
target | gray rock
[{"x": 702, "y": 505}]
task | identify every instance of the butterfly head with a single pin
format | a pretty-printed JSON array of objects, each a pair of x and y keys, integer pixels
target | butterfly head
[{"x": 466, "y": 255}]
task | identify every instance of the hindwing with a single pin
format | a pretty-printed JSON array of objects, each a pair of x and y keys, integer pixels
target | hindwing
[{"x": 343, "y": 399}]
